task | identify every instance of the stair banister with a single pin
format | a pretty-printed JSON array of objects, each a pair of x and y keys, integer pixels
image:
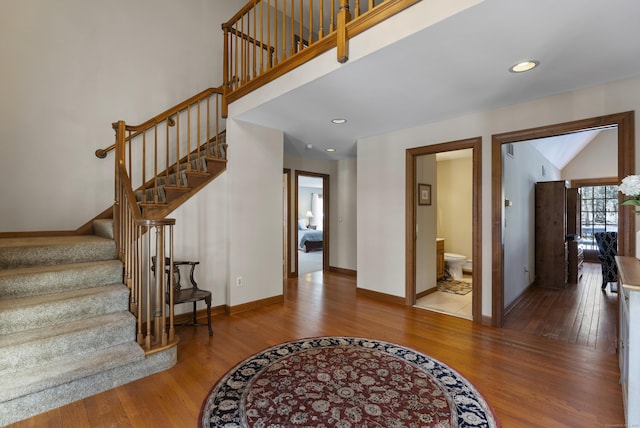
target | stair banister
[{"x": 136, "y": 245}]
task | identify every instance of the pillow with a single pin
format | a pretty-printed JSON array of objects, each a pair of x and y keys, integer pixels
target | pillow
[{"x": 301, "y": 225}]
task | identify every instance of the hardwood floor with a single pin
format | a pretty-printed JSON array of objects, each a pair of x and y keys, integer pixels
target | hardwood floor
[
  {"x": 582, "y": 314},
  {"x": 530, "y": 381}
]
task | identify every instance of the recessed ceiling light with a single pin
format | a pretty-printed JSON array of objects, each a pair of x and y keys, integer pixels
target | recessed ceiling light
[
  {"x": 338, "y": 121},
  {"x": 331, "y": 150},
  {"x": 523, "y": 66}
]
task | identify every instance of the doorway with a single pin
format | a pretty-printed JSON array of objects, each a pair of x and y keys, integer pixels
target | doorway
[
  {"x": 626, "y": 220},
  {"x": 311, "y": 210},
  {"x": 412, "y": 221}
]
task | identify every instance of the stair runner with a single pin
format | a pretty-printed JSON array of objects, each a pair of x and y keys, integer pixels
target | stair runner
[
  {"x": 65, "y": 329},
  {"x": 180, "y": 178}
]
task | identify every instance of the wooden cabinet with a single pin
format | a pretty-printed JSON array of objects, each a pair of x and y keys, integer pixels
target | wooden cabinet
[
  {"x": 575, "y": 254},
  {"x": 629, "y": 337},
  {"x": 575, "y": 262},
  {"x": 440, "y": 257},
  {"x": 550, "y": 232}
]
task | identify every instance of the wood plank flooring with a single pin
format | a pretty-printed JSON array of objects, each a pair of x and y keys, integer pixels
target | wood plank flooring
[
  {"x": 582, "y": 314},
  {"x": 530, "y": 381}
]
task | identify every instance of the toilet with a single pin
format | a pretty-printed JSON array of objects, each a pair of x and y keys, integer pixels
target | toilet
[{"x": 454, "y": 263}]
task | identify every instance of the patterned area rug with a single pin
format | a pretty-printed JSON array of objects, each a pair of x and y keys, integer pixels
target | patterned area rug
[
  {"x": 344, "y": 382},
  {"x": 454, "y": 286}
]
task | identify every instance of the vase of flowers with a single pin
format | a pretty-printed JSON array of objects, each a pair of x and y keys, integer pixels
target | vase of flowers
[{"x": 630, "y": 186}]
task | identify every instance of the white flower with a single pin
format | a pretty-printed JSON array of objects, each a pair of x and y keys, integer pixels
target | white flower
[{"x": 630, "y": 185}]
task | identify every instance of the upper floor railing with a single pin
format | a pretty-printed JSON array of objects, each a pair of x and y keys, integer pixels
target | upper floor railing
[{"x": 268, "y": 38}]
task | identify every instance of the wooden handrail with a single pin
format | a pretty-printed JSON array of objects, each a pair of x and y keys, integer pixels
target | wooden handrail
[{"x": 165, "y": 115}]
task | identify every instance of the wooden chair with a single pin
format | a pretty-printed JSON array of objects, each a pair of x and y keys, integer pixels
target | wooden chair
[{"x": 186, "y": 294}]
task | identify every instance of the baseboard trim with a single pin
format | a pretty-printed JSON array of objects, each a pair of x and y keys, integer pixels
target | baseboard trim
[
  {"x": 517, "y": 300},
  {"x": 426, "y": 292},
  {"x": 201, "y": 315},
  {"x": 381, "y": 296},
  {"x": 256, "y": 304},
  {"x": 343, "y": 271}
]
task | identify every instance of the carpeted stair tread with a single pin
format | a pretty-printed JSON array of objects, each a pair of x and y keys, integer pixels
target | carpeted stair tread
[
  {"x": 28, "y": 381},
  {"x": 23, "y": 252},
  {"x": 103, "y": 228},
  {"x": 56, "y": 308},
  {"x": 51, "y": 343},
  {"x": 34, "y": 280}
]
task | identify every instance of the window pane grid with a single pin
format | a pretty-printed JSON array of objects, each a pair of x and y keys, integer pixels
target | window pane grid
[{"x": 599, "y": 213}]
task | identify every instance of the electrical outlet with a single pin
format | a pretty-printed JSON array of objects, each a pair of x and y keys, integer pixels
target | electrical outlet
[{"x": 239, "y": 281}]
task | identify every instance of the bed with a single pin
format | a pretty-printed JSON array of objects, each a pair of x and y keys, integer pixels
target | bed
[{"x": 309, "y": 239}]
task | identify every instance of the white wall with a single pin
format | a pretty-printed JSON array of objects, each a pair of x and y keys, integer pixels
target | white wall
[
  {"x": 455, "y": 205},
  {"x": 426, "y": 219},
  {"x": 344, "y": 236},
  {"x": 596, "y": 160},
  {"x": 254, "y": 174},
  {"x": 520, "y": 174},
  {"x": 381, "y": 172},
  {"x": 72, "y": 67}
]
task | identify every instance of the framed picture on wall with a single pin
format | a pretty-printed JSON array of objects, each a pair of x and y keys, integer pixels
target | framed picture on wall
[{"x": 424, "y": 194}]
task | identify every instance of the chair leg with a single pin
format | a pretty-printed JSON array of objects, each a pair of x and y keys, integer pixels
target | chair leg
[
  {"x": 604, "y": 284},
  {"x": 195, "y": 320},
  {"x": 208, "y": 302}
]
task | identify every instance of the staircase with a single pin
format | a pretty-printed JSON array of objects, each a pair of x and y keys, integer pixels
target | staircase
[
  {"x": 66, "y": 332},
  {"x": 171, "y": 188}
]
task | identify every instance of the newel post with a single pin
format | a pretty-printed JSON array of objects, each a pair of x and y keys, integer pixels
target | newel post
[{"x": 344, "y": 16}]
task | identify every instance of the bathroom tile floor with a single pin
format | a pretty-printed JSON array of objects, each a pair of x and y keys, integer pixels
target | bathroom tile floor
[{"x": 448, "y": 303}]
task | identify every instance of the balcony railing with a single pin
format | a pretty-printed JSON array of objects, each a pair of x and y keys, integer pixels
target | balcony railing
[{"x": 268, "y": 38}]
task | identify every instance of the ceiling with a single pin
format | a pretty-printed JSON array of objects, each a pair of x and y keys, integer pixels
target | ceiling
[{"x": 460, "y": 66}]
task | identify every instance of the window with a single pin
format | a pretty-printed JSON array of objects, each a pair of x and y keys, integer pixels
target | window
[{"x": 599, "y": 213}]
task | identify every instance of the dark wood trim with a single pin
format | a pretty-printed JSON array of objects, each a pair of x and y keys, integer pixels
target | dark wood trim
[
  {"x": 256, "y": 304},
  {"x": 288, "y": 225},
  {"x": 390, "y": 298},
  {"x": 581, "y": 182},
  {"x": 624, "y": 122},
  {"x": 325, "y": 220},
  {"x": 426, "y": 292},
  {"x": 342, "y": 271},
  {"x": 410, "y": 191}
]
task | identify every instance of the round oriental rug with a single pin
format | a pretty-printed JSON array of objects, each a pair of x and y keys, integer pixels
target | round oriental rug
[{"x": 344, "y": 382}]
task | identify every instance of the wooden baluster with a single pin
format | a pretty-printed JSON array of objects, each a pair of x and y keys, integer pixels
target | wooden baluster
[
  {"x": 271, "y": 60},
  {"x": 284, "y": 30},
  {"x": 357, "y": 11},
  {"x": 217, "y": 151},
  {"x": 255, "y": 36},
  {"x": 225, "y": 59},
  {"x": 147, "y": 318},
  {"x": 275, "y": 33},
  {"x": 261, "y": 37},
  {"x": 178, "y": 142},
  {"x": 171, "y": 286},
  {"x": 242, "y": 52},
  {"x": 207, "y": 147},
  {"x": 343, "y": 43},
  {"x": 236, "y": 77},
  {"x": 310, "y": 38},
  {"x": 166, "y": 149},
  {"x": 292, "y": 41},
  {"x": 371, "y": 5},
  {"x": 155, "y": 162},
  {"x": 139, "y": 284},
  {"x": 300, "y": 44},
  {"x": 332, "y": 25},
  {"x": 189, "y": 137},
  {"x": 321, "y": 23},
  {"x": 144, "y": 164},
  {"x": 198, "y": 141}
]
